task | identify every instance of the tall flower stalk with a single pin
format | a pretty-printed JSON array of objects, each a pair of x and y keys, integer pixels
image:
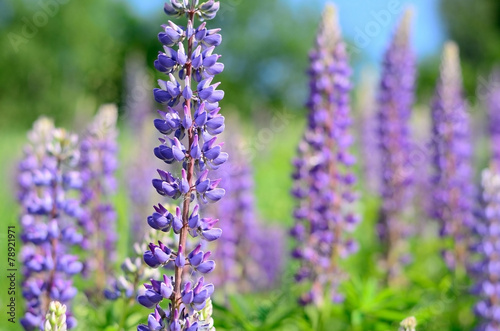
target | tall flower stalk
[
  {"x": 453, "y": 188},
  {"x": 395, "y": 101},
  {"x": 47, "y": 176},
  {"x": 190, "y": 126},
  {"x": 98, "y": 164},
  {"x": 322, "y": 178},
  {"x": 486, "y": 270}
]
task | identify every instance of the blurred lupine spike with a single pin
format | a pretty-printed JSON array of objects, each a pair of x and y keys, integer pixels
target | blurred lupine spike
[
  {"x": 329, "y": 30},
  {"x": 451, "y": 73},
  {"x": 98, "y": 164},
  {"x": 48, "y": 221},
  {"x": 55, "y": 320},
  {"x": 408, "y": 324},
  {"x": 322, "y": 180},
  {"x": 485, "y": 269},
  {"x": 402, "y": 37},
  {"x": 493, "y": 105},
  {"x": 395, "y": 102},
  {"x": 246, "y": 257},
  {"x": 452, "y": 180},
  {"x": 189, "y": 127}
]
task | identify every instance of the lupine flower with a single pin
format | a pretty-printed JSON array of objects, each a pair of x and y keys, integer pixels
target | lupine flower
[
  {"x": 55, "y": 320},
  {"x": 493, "y": 103},
  {"x": 395, "y": 101},
  {"x": 322, "y": 180},
  {"x": 48, "y": 221},
  {"x": 248, "y": 246},
  {"x": 487, "y": 269},
  {"x": 98, "y": 152},
  {"x": 190, "y": 126},
  {"x": 453, "y": 188},
  {"x": 408, "y": 324}
]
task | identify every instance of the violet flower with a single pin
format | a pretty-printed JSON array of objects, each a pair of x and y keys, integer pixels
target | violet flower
[
  {"x": 190, "y": 126},
  {"x": 322, "y": 179},
  {"x": 395, "y": 101},
  {"x": 487, "y": 269},
  {"x": 98, "y": 164},
  {"x": 48, "y": 221},
  {"x": 453, "y": 187}
]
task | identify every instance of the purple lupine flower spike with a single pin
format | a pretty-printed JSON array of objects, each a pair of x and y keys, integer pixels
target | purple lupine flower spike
[
  {"x": 48, "y": 221},
  {"x": 322, "y": 178},
  {"x": 98, "y": 164},
  {"x": 493, "y": 105},
  {"x": 487, "y": 268},
  {"x": 395, "y": 101},
  {"x": 190, "y": 126},
  {"x": 453, "y": 187}
]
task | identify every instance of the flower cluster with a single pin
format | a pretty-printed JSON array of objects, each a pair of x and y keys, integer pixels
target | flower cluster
[
  {"x": 55, "y": 320},
  {"x": 322, "y": 179},
  {"x": 190, "y": 126},
  {"x": 453, "y": 187},
  {"x": 408, "y": 324},
  {"x": 48, "y": 221},
  {"x": 395, "y": 101},
  {"x": 98, "y": 164},
  {"x": 486, "y": 270}
]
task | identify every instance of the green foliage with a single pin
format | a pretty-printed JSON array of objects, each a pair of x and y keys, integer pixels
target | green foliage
[
  {"x": 477, "y": 39},
  {"x": 62, "y": 60},
  {"x": 257, "y": 312},
  {"x": 120, "y": 315}
]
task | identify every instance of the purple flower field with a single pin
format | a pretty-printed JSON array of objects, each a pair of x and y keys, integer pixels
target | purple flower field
[{"x": 240, "y": 165}]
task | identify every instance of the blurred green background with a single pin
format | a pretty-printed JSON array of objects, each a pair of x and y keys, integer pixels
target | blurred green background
[{"x": 65, "y": 58}]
